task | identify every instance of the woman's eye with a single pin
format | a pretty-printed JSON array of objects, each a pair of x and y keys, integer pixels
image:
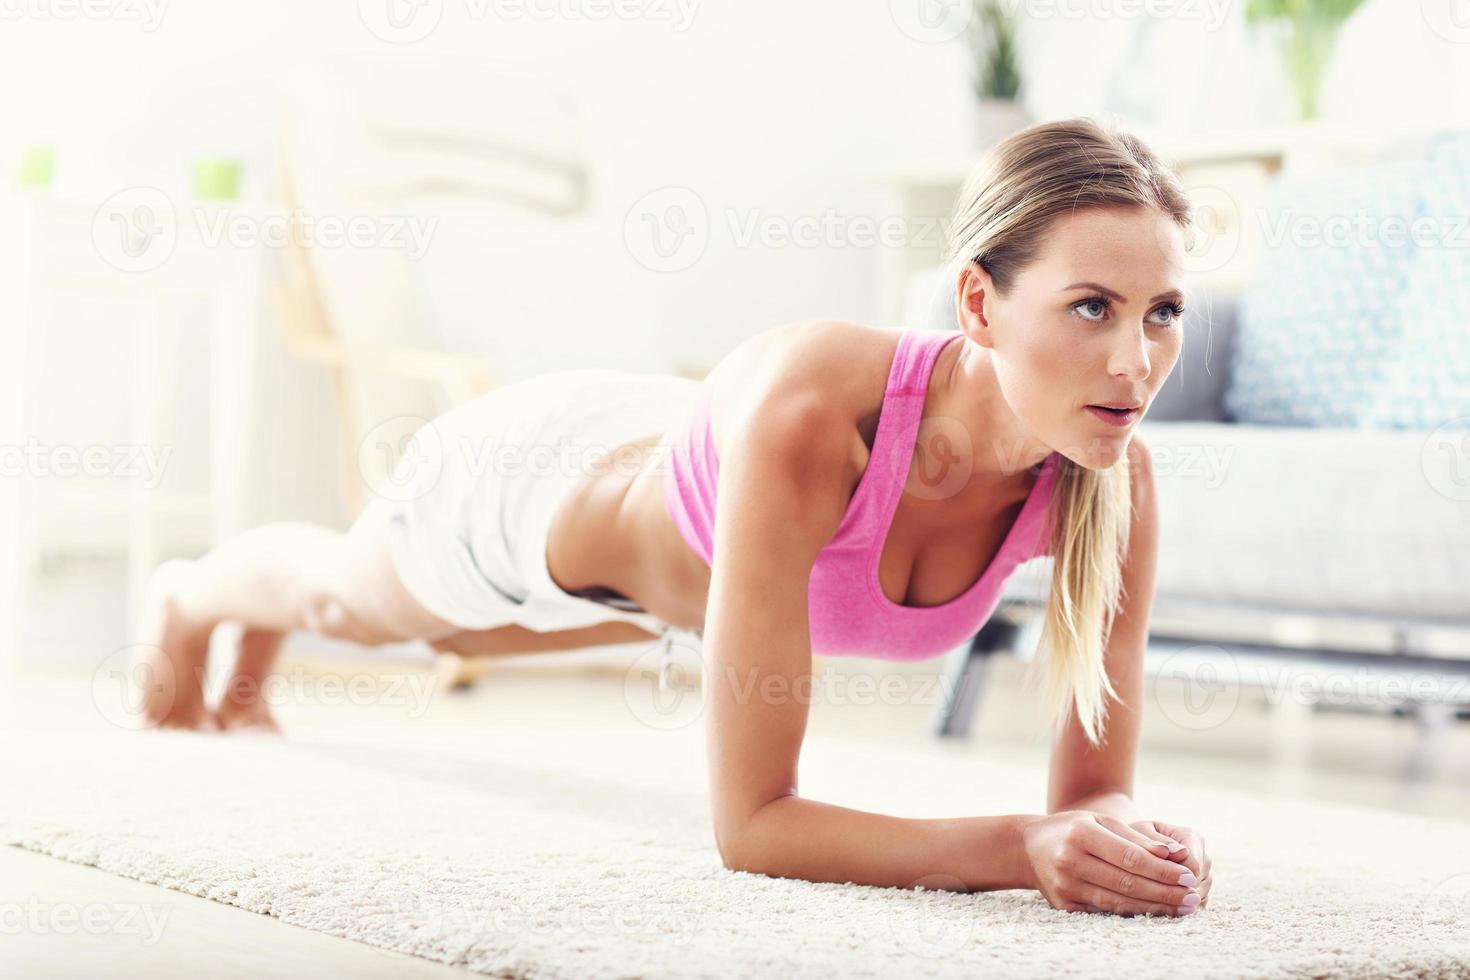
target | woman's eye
[
  {"x": 1171, "y": 313},
  {"x": 1085, "y": 304},
  {"x": 1096, "y": 309}
]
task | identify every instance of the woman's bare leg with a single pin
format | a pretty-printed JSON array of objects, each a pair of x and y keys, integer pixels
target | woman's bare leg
[
  {"x": 241, "y": 705},
  {"x": 465, "y": 656},
  {"x": 507, "y": 640},
  {"x": 271, "y": 579}
]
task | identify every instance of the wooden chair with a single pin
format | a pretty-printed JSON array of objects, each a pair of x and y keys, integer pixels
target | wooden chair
[{"x": 375, "y": 139}]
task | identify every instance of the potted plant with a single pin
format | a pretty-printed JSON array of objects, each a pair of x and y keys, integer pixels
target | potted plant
[
  {"x": 1306, "y": 30},
  {"x": 997, "y": 72}
]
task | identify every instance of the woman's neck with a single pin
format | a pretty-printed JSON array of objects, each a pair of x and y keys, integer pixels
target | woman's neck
[{"x": 965, "y": 387}]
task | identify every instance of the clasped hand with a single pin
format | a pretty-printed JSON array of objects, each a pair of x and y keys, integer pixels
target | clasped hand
[{"x": 1090, "y": 862}]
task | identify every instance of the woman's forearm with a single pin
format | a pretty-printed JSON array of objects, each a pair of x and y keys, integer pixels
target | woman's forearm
[
  {"x": 1110, "y": 802},
  {"x": 793, "y": 837}
]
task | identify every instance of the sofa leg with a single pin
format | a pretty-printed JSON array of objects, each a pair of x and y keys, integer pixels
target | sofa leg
[
  {"x": 1431, "y": 722},
  {"x": 964, "y": 676}
]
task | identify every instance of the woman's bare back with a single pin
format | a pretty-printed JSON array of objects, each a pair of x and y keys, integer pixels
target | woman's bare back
[{"x": 615, "y": 530}]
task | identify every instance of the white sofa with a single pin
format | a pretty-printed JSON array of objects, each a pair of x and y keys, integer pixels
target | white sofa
[{"x": 1339, "y": 546}]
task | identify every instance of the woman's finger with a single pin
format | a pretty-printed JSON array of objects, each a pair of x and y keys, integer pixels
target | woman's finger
[
  {"x": 1197, "y": 860},
  {"x": 1128, "y": 855},
  {"x": 1144, "y": 834},
  {"x": 1096, "y": 871},
  {"x": 1176, "y": 851},
  {"x": 1108, "y": 901},
  {"x": 1206, "y": 883}
]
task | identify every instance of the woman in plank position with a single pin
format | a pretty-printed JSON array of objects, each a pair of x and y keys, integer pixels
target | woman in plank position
[{"x": 829, "y": 488}]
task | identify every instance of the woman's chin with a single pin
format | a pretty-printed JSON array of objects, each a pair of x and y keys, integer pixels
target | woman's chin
[{"x": 1098, "y": 453}]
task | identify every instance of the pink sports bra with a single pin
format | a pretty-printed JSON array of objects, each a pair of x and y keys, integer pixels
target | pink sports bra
[{"x": 848, "y": 611}]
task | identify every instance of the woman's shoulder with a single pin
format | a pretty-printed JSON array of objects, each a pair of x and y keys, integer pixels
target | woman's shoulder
[
  {"x": 811, "y": 391},
  {"x": 835, "y": 368}
]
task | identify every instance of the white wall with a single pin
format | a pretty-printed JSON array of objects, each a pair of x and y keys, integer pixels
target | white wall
[
  {"x": 770, "y": 108},
  {"x": 1401, "y": 66},
  {"x": 788, "y": 108}
]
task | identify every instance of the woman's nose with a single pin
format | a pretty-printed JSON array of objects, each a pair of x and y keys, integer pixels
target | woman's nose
[{"x": 1130, "y": 357}]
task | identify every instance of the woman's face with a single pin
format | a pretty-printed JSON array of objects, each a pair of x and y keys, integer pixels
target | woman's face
[{"x": 1093, "y": 321}]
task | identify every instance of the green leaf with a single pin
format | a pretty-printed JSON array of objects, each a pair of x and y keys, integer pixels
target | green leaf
[
  {"x": 1335, "y": 11},
  {"x": 993, "y": 41}
]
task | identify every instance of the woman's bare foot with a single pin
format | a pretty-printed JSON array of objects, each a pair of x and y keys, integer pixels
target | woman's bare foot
[
  {"x": 255, "y": 716},
  {"x": 170, "y": 663},
  {"x": 244, "y": 705}
]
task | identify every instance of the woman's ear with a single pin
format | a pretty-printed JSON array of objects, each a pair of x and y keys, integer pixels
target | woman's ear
[{"x": 974, "y": 290}]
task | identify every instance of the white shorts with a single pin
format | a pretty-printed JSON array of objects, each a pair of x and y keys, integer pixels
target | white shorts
[{"x": 469, "y": 505}]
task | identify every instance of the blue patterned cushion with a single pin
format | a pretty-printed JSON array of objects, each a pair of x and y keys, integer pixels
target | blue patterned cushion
[
  {"x": 1427, "y": 374},
  {"x": 1319, "y": 320}
]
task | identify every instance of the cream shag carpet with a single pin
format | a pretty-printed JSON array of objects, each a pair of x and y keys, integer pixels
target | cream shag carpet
[{"x": 588, "y": 854}]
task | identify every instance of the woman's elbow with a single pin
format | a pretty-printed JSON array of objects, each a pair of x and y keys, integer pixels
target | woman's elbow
[
  {"x": 739, "y": 848},
  {"x": 728, "y": 841}
]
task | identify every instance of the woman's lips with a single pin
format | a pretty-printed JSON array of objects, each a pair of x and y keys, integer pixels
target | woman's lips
[{"x": 1112, "y": 417}]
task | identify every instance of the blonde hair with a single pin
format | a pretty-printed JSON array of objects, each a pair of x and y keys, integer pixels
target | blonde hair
[{"x": 1005, "y": 209}]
